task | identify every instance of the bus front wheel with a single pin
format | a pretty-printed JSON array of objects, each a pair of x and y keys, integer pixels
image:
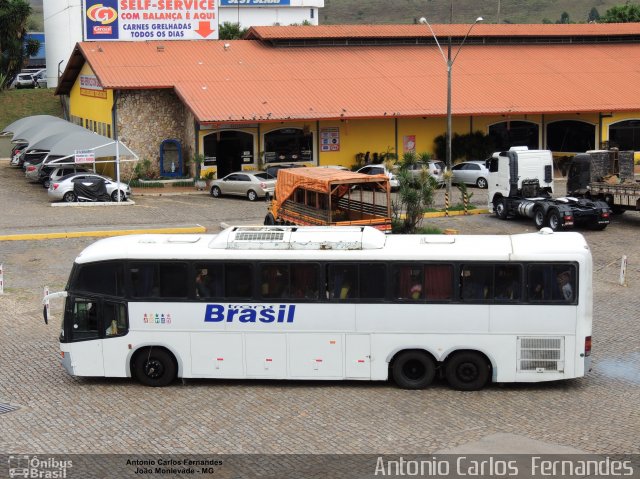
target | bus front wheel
[
  {"x": 413, "y": 370},
  {"x": 467, "y": 371},
  {"x": 155, "y": 367}
]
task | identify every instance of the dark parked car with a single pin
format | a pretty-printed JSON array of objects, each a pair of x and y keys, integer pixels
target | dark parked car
[{"x": 273, "y": 170}]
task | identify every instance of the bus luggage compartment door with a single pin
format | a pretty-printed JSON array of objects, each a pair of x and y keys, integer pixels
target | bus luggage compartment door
[
  {"x": 315, "y": 355},
  {"x": 358, "y": 356},
  {"x": 217, "y": 355}
]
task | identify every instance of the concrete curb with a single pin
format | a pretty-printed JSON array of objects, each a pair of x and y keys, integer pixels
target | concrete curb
[
  {"x": 102, "y": 234},
  {"x": 85, "y": 204},
  {"x": 441, "y": 214}
]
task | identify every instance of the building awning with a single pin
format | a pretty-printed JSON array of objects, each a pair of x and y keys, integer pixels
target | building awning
[
  {"x": 19, "y": 126},
  {"x": 85, "y": 140},
  {"x": 61, "y": 138}
]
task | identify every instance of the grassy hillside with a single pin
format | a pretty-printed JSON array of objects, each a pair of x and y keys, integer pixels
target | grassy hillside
[
  {"x": 17, "y": 104},
  {"x": 464, "y": 11}
]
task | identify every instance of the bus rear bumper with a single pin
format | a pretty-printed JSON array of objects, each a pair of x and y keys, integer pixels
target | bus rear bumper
[
  {"x": 65, "y": 360},
  {"x": 587, "y": 364}
]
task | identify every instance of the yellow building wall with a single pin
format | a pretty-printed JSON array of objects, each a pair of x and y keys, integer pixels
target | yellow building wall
[
  {"x": 360, "y": 136},
  {"x": 95, "y": 106},
  {"x": 90, "y": 107}
]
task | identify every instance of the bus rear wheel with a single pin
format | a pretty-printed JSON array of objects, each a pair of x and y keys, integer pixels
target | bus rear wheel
[
  {"x": 413, "y": 370},
  {"x": 155, "y": 367},
  {"x": 467, "y": 371}
]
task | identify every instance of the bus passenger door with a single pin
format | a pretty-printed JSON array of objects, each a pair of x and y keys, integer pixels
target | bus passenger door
[
  {"x": 358, "y": 356},
  {"x": 86, "y": 346}
]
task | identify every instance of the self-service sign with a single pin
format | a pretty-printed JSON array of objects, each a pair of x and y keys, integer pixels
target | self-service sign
[
  {"x": 151, "y": 19},
  {"x": 84, "y": 156}
]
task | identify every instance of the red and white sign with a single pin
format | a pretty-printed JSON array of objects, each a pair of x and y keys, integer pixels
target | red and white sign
[
  {"x": 84, "y": 156},
  {"x": 330, "y": 139}
]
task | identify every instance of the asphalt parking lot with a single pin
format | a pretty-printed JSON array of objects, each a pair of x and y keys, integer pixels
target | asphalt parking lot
[{"x": 60, "y": 414}]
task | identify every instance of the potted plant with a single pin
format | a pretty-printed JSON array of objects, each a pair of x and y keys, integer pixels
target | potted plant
[
  {"x": 208, "y": 177},
  {"x": 198, "y": 160}
]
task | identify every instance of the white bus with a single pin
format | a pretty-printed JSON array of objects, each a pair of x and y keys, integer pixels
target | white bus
[{"x": 282, "y": 302}]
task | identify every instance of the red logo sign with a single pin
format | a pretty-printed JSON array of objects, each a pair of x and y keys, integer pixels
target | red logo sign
[
  {"x": 100, "y": 13},
  {"x": 102, "y": 30}
]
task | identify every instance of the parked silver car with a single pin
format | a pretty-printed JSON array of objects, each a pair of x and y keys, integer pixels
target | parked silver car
[
  {"x": 434, "y": 168},
  {"x": 380, "y": 169},
  {"x": 61, "y": 171},
  {"x": 471, "y": 173},
  {"x": 63, "y": 189},
  {"x": 253, "y": 185}
]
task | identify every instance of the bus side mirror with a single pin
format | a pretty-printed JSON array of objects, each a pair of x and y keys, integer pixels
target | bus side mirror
[{"x": 44, "y": 314}]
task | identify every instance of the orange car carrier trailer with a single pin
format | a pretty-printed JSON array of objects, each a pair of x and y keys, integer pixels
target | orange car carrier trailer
[{"x": 330, "y": 197}]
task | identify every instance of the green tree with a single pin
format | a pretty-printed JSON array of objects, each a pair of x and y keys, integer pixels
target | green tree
[
  {"x": 470, "y": 146},
  {"x": 14, "y": 50},
  {"x": 415, "y": 194},
  {"x": 626, "y": 13},
  {"x": 231, "y": 31},
  {"x": 594, "y": 15},
  {"x": 564, "y": 18}
]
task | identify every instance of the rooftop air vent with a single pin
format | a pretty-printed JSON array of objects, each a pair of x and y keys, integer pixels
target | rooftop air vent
[{"x": 293, "y": 237}]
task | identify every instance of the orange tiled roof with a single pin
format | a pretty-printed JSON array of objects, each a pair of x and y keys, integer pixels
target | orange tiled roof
[
  {"x": 418, "y": 30},
  {"x": 247, "y": 80}
]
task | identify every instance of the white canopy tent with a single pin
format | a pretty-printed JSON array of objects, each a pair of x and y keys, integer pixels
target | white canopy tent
[{"x": 62, "y": 138}]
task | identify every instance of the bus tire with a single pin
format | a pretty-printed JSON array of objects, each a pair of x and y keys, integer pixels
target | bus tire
[
  {"x": 413, "y": 370},
  {"x": 467, "y": 371},
  {"x": 155, "y": 367}
]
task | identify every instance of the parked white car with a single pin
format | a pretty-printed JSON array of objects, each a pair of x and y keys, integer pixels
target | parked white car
[
  {"x": 62, "y": 190},
  {"x": 471, "y": 173},
  {"x": 24, "y": 80},
  {"x": 380, "y": 169}
]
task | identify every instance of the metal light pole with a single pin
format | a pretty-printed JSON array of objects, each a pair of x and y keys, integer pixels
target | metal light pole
[{"x": 449, "y": 62}]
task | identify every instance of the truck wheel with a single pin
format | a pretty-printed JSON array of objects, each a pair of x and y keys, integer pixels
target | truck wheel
[
  {"x": 538, "y": 217},
  {"x": 500, "y": 206},
  {"x": 554, "y": 220},
  {"x": 269, "y": 220}
]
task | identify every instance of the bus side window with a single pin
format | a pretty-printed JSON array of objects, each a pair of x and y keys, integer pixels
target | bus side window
[
  {"x": 144, "y": 281},
  {"x": 373, "y": 281},
  {"x": 508, "y": 283},
  {"x": 438, "y": 279},
  {"x": 304, "y": 280},
  {"x": 238, "y": 280},
  {"x": 114, "y": 319},
  {"x": 408, "y": 281},
  {"x": 208, "y": 279},
  {"x": 84, "y": 319},
  {"x": 552, "y": 283},
  {"x": 173, "y": 280},
  {"x": 342, "y": 281},
  {"x": 476, "y": 282},
  {"x": 274, "y": 280}
]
